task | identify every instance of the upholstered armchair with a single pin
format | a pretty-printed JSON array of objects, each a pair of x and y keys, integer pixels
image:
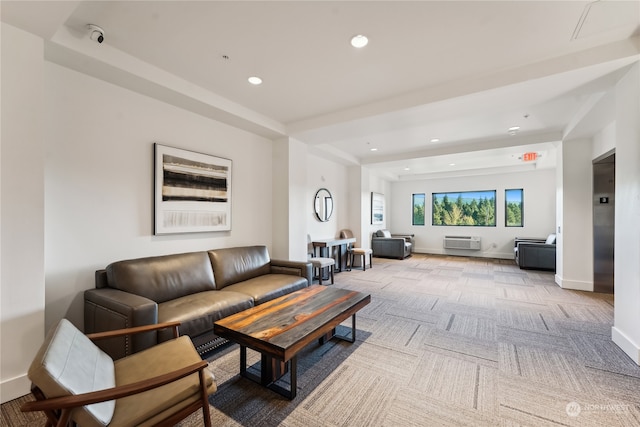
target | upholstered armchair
[
  {"x": 74, "y": 381},
  {"x": 385, "y": 244},
  {"x": 536, "y": 254}
]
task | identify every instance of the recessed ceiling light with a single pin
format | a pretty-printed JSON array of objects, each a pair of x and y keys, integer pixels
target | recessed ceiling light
[
  {"x": 359, "y": 41},
  {"x": 373, "y": 149},
  {"x": 407, "y": 169},
  {"x": 435, "y": 140},
  {"x": 255, "y": 80},
  {"x": 513, "y": 130},
  {"x": 452, "y": 164}
]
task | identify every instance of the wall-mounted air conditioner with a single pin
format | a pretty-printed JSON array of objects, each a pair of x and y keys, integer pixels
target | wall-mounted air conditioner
[{"x": 462, "y": 242}]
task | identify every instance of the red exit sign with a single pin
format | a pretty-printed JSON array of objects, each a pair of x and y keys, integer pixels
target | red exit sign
[{"x": 529, "y": 157}]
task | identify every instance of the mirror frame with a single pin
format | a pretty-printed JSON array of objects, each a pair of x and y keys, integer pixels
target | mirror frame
[{"x": 323, "y": 210}]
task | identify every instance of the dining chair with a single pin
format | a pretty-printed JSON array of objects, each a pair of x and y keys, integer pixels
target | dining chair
[
  {"x": 353, "y": 250},
  {"x": 320, "y": 263}
]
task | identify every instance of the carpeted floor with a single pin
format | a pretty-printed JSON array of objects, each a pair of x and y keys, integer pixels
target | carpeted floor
[{"x": 446, "y": 341}]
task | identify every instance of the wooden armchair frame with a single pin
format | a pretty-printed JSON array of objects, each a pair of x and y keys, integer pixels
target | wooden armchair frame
[{"x": 58, "y": 409}]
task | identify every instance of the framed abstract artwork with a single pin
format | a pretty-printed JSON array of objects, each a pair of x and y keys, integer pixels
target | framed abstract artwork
[
  {"x": 192, "y": 191},
  {"x": 377, "y": 208}
]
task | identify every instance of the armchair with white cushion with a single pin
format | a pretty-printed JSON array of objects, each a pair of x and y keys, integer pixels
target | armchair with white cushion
[
  {"x": 386, "y": 244},
  {"x": 536, "y": 253},
  {"x": 75, "y": 381}
]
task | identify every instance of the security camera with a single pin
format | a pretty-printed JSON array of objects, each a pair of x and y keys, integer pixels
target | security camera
[{"x": 96, "y": 33}]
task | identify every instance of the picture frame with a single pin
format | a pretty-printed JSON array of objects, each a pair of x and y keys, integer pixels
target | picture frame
[
  {"x": 377, "y": 208},
  {"x": 192, "y": 191}
]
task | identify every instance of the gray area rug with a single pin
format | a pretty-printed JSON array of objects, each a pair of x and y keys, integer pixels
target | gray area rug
[
  {"x": 448, "y": 341},
  {"x": 451, "y": 341}
]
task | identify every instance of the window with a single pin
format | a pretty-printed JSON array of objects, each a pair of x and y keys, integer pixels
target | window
[
  {"x": 514, "y": 208},
  {"x": 471, "y": 208},
  {"x": 418, "y": 209}
]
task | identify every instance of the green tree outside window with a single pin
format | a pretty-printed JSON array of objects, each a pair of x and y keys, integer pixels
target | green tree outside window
[
  {"x": 514, "y": 207},
  {"x": 418, "y": 209},
  {"x": 472, "y": 208}
]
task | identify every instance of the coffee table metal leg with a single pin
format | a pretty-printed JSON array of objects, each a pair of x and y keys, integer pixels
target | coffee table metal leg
[
  {"x": 270, "y": 371},
  {"x": 294, "y": 377},
  {"x": 332, "y": 333},
  {"x": 353, "y": 331},
  {"x": 243, "y": 360}
]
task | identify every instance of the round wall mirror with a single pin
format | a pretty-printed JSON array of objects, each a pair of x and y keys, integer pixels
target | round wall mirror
[{"x": 323, "y": 205}]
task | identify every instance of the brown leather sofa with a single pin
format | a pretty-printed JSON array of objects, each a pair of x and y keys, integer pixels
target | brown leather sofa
[{"x": 195, "y": 289}]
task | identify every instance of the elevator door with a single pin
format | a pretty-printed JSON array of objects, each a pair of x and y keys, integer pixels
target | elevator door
[{"x": 603, "y": 224}]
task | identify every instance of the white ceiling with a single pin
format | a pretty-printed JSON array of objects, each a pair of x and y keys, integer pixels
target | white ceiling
[{"x": 463, "y": 72}]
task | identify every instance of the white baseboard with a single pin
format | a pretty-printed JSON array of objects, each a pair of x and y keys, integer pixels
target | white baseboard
[
  {"x": 14, "y": 388},
  {"x": 462, "y": 252},
  {"x": 576, "y": 285},
  {"x": 626, "y": 344}
]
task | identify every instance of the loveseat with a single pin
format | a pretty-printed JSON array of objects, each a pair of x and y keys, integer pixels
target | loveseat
[
  {"x": 194, "y": 288},
  {"x": 387, "y": 245}
]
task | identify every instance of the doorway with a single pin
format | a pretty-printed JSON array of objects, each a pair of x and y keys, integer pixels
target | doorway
[{"x": 603, "y": 223}]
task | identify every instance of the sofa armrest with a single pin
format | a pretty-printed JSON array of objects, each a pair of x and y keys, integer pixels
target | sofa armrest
[
  {"x": 296, "y": 268},
  {"x": 528, "y": 240},
  {"x": 108, "y": 309},
  {"x": 174, "y": 325},
  {"x": 407, "y": 237},
  {"x": 535, "y": 245}
]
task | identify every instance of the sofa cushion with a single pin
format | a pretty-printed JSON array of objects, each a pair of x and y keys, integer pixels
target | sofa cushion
[
  {"x": 233, "y": 265},
  {"x": 163, "y": 278},
  {"x": 551, "y": 239},
  {"x": 197, "y": 312},
  {"x": 384, "y": 233},
  {"x": 268, "y": 287},
  {"x": 70, "y": 363}
]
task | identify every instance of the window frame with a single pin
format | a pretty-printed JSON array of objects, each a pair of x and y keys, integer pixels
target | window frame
[
  {"x": 506, "y": 207},
  {"x": 454, "y": 195},
  {"x": 413, "y": 209}
]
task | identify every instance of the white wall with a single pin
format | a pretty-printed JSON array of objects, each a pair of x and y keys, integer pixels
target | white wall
[
  {"x": 323, "y": 173},
  {"x": 280, "y": 182},
  {"x": 290, "y": 200},
  {"x": 358, "y": 186},
  {"x": 604, "y": 142},
  {"x": 559, "y": 196},
  {"x": 22, "y": 290},
  {"x": 575, "y": 222},
  {"x": 539, "y": 211},
  {"x": 361, "y": 183},
  {"x": 99, "y": 182},
  {"x": 626, "y": 330},
  {"x": 380, "y": 186}
]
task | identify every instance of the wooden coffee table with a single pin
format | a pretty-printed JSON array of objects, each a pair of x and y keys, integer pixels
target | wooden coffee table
[{"x": 280, "y": 328}]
